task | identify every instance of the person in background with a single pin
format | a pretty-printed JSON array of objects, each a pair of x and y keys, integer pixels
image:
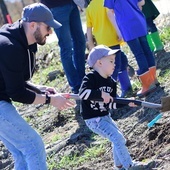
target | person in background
[
  {"x": 97, "y": 92},
  {"x": 18, "y": 45},
  {"x": 133, "y": 28},
  {"x": 71, "y": 40},
  {"x": 151, "y": 13},
  {"x": 99, "y": 25}
]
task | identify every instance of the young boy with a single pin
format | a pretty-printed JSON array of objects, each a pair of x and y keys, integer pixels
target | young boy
[{"x": 97, "y": 92}]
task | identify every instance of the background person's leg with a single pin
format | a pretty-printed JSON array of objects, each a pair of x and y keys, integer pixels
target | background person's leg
[
  {"x": 62, "y": 15},
  {"x": 124, "y": 77},
  {"x": 145, "y": 60},
  {"x": 79, "y": 44}
]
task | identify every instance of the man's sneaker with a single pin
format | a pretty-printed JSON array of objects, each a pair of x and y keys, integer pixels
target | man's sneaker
[{"x": 142, "y": 166}]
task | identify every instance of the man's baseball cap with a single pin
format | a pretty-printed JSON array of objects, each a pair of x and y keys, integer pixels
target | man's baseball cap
[
  {"x": 99, "y": 52},
  {"x": 38, "y": 12}
]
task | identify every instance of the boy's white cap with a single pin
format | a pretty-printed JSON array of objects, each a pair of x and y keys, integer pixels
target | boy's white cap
[{"x": 99, "y": 52}]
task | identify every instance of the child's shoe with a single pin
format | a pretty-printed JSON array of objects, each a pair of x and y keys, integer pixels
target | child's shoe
[{"x": 142, "y": 166}]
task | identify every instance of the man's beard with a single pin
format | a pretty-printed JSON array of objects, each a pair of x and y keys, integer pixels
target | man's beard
[{"x": 39, "y": 38}]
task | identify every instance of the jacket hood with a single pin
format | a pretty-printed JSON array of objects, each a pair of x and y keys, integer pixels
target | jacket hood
[{"x": 15, "y": 32}]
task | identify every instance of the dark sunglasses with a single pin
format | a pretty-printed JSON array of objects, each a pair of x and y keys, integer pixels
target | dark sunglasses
[{"x": 48, "y": 28}]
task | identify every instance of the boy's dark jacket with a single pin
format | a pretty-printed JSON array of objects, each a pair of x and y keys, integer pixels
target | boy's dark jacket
[
  {"x": 90, "y": 93},
  {"x": 17, "y": 63}
]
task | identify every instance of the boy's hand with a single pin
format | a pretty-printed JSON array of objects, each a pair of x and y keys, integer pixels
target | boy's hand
[
  {"x": 106, "y": 97},
  {"x": 131, "y": 104}
]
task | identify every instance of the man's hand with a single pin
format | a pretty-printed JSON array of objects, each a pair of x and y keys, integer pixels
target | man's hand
[{"x": 61, "y": 102}]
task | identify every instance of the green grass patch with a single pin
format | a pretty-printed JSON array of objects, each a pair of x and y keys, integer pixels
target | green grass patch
[
  {"x": 165, "y": 35},
  {"x": 57, "y": 137},
  {"x": 78, "y": 159}
]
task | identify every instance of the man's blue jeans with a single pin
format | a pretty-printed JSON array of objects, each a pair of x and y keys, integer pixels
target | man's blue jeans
[
  {"x": 72, "y": 43},
  {"x": 25, "y": 145},
  {"x": 107, "y": 128},
  {"x": 142, "y": 53}
]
